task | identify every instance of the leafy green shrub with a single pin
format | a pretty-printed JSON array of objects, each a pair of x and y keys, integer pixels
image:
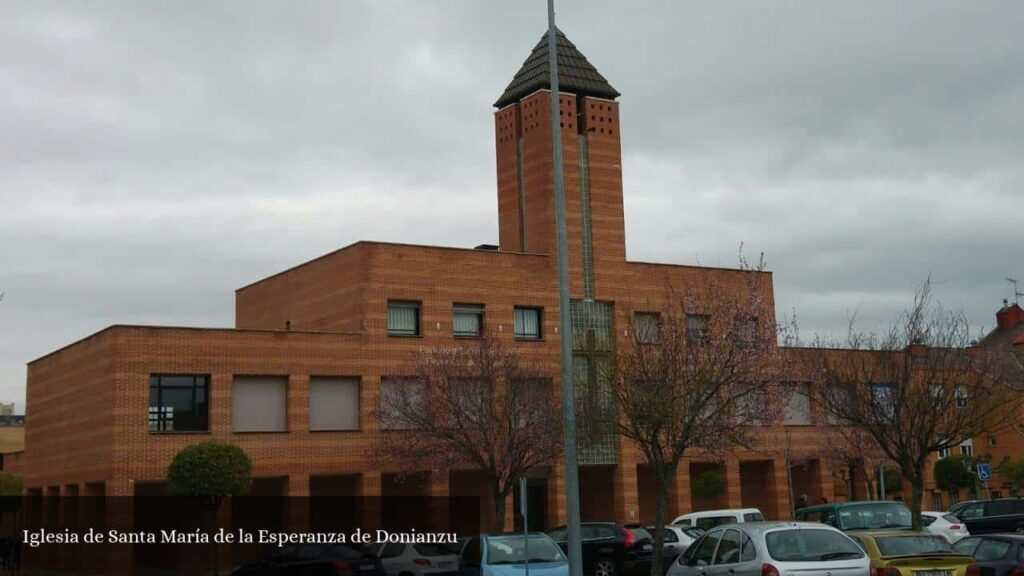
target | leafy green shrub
[
  {"x": 710, "y": 484},
  {"x": 211, "y": 470},
  {"x": 10, "y": 485}
]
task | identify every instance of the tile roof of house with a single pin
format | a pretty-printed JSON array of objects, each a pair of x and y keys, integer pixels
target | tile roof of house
[{"x": 575, "y": 73}]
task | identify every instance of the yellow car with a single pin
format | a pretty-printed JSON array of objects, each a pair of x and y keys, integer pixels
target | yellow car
[{"x": 906, "y": 553}]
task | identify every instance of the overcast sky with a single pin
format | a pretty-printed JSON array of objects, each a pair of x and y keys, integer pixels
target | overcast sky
[{"x": 154, "y": 156}]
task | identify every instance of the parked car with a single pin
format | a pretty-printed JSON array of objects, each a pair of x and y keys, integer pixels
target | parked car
[
  {"x": 991, "y": 516},
  {"x": 611, "y": 549},
  {"x": 676, "y": 539},
  {"x": 773, "y": 549},
  {"x": 708, "y": 519},
  {"x": 868, "y": 515},
  {"x": 996, "y": 555},
  {"x": 315, "y": 560},
  {"x": 506, "y": 555},
  {"x": 402, "y": 559},
  {"x": 906, "y": 553},
  {"x": 944, "y": 524}
]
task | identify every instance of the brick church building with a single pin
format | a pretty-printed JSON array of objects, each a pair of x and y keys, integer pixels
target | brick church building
[{"x": 297, "y": 380}]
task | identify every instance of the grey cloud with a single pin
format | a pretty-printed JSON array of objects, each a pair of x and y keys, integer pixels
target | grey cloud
[{"x": 156, "y": 156}]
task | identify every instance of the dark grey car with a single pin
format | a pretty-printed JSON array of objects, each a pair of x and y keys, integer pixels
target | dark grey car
[{"x": 773, "y": 548}]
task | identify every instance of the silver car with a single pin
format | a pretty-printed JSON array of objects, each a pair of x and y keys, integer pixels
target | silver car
[{"x": 773, "y": 549}]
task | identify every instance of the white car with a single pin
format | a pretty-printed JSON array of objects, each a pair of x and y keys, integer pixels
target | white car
[
  {"x": 416, "y": 559},
  {"x": 944, "y": 524},
  {"x": 677, "y": 539},
  {"x": 708, "y": 519}
]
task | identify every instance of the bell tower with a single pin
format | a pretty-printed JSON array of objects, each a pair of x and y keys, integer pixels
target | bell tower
[{"x": 592, "y": 160}]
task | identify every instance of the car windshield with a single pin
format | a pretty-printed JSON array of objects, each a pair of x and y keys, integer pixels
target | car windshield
[
  {"x": 512, "y": 550},
  {"x": 912, "y": 545},
  {"x": 810, "y": 546},
  {"x": 874, "y": 516},
  {"x": 431, "y": 549}
]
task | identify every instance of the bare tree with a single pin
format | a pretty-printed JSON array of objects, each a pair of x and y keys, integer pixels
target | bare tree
[
  {"x": 474, "y": 406},
  {"x": 706, "y": 377},
  {"x": 916, "y": 389}
]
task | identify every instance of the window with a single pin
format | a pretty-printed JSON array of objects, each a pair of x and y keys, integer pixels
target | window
[
  {"x": 961, "y": 397},
  {"x": 728, "y": 548},
  {"x": 527, "y": 323},
  {"x": 798, "y": 408},
  {"x": 809, "y": 545},
  {"x": 402, "y": 402},
  {"x": 647, "y": 327},
  {"x": 751, "y": 403},
  {"x": 746, "y": 332},
  {"x": 705, "y": 549},
  {"x": 936, "y": 502},
  {"x": 967, "y": 448},
  {"x": 333, "y": 403},
  {"x": 260, "y": 404},
  {"x": 944, "y": 452},
  {"x": 178, "y": 403},
  {"x": 467, "y": 320},
  {"x": 698, "y": 328},
  {"x": 883, "y": 401},
  {"x": 403, "y": 318}
]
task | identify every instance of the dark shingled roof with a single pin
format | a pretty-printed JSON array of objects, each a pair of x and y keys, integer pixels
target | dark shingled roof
[{"x": 575, "y": 73}]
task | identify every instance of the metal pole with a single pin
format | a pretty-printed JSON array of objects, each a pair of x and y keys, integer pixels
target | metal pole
[
  {"x": 526, "y": 524},
  {"x": 572, "y": 489}
]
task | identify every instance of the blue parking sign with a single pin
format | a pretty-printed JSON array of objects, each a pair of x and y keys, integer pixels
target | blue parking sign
[{"x": 984, "y": 472}]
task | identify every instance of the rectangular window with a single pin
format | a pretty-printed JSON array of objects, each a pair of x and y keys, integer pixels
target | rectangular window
[
  {"x": 259, "y": 404},
  {"x": 798, "y": 409},
  {"x": 647, "y": 326},
  {"x": 333, "y": 403},
  {"x": 402, "y": 403},
  {"x": 527, "y": 323},
  {"x": 967, "y": 448},
  {"x": 698, "y": 328},
  {"x": 937, "y": 501},
  {"x": 179, "y": 403},
  {"x": 883, "y": 402},
  {"x": 746, "y": 332},
  {"x": 467, "y": 320},
  {"x": 943, "y": 452},
  {"x": 403, "y": 318}
]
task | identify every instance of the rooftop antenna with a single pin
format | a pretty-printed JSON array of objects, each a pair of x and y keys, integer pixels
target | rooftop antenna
[{"x": 1016, "y": 292}]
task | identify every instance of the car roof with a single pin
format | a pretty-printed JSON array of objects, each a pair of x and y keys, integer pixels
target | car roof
[
  {"x": 830, "y": 505},
  {"x": 888, "y": 533},
  {"x": 723, "y": 511},
  {"x": 769, "y": 525}
]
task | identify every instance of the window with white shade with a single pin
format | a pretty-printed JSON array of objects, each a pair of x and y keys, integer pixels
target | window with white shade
[
  {"x": 798, "y": 408},
  {"x": 402, "y": 402},
  {"x": 259, "y": 404},
  {"x": 527, "y": 323},
  {"x": 403, "y": 318},
  {"x": 647, "y": 326},
  {"x": 333, "y": 403},
  {"x": 698, "y": 328},
  {"x": 467, "y": 320}
]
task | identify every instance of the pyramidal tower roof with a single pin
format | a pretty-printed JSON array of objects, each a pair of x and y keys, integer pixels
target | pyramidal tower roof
[{"x": 575, "y": 73}]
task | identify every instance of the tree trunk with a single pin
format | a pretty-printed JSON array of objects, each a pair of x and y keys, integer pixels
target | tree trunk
[
  {"x": 499, "y": 507},
  {"x": 916, "y": 496},
  {"x": 664, "y": 482}
]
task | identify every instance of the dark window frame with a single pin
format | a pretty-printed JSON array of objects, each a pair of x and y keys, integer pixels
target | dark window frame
[
  {"x": 698, "y": 336},
  {"x": 643, "y": 333},
  {"x": 159, "y": 418},
  {"x": 413, "y": 304},
  {"x": 476, "y": 309},
  {"x": 539, "y": 335}
]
